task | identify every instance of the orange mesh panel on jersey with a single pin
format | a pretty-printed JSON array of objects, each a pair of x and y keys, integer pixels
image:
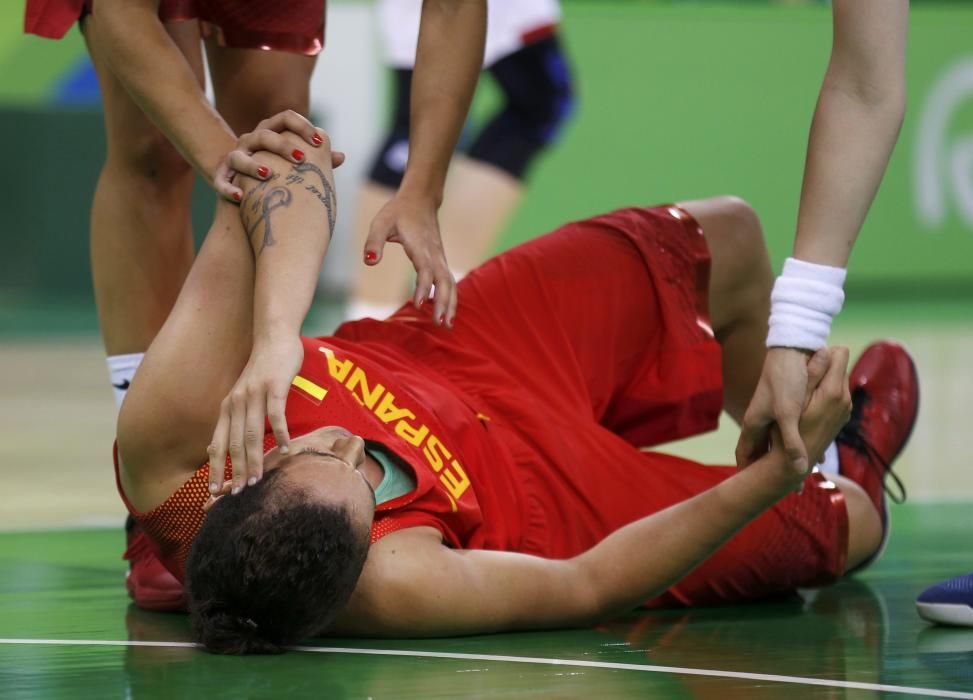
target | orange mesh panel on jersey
[
  {"x": 394, "y": 521},
  {"x": 173, "y": 525}
]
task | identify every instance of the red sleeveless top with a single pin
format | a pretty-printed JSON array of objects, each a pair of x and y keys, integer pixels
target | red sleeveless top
[{"x": 388, "y": 398}]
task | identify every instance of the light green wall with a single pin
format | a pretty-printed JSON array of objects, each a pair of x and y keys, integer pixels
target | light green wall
[
  {"x": 676, "y": 100},
  {"x": 682, "y": 101}
]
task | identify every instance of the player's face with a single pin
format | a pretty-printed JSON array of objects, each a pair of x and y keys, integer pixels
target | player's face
[{"x": 330, "y": 464}]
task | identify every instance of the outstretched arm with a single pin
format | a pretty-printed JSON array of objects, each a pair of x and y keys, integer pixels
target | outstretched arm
[
  {"x": 238, "y": 314},
  {"x": 855, "y": 127},
  {"x": 289, "y": 219},
  {"x": 413, "y": 585}
]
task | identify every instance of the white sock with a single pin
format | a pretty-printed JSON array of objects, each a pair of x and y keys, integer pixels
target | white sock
[
  {"x": 356, "y": 309},
  {"x": 830, "y": 463},
  {"x": 121, "y": 369}
]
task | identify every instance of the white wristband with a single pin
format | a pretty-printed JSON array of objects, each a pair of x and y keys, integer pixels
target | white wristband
[{"x": 805, "y": 298}]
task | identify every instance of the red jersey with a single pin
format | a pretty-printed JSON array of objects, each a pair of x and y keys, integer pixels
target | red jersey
[{"x": 523, "y": 424}]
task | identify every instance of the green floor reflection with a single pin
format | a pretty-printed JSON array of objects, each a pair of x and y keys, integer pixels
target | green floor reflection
[{"x": 67, "y": 586}]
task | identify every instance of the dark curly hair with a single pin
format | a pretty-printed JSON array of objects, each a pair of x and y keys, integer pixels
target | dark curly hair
[{"x": 270, "y": 567}]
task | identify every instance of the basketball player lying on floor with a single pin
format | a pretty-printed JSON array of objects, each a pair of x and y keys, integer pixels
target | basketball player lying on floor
[{"x": 488, "y": 477}]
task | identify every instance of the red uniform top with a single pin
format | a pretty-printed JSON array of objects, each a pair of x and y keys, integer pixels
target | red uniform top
[
  {"x": 523, "y": 424},
  {"x": 283, "y": 25}
]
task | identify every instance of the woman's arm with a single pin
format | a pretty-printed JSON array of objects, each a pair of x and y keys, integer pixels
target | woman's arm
[
  {"x": 160, "y": 80},
  {"x": 414, "y": 585},
  {"x": 448, "y": 62},
  {"x": 289, "y": 219},
  {"x": 251, "y": 282},
  {"x": 855, "y": 127}
]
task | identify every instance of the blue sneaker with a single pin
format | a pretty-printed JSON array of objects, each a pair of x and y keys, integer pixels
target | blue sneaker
[{"x": 949, "y": 602}]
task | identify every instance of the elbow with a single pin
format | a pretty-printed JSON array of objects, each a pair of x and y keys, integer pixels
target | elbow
[
  {"x": 593, "y": 598},
  {"x": 875, "y": 88},
  {"x": 882, "y": 104}
]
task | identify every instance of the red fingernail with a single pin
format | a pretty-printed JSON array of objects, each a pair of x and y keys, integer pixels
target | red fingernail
[
  {"x": 442, "y": 319},
  {"x": 236, "y": 196},
  {"x": 370, "y": 256},
  {"x": 317, "y": 140},
  {"x": 263, "y": 171},
  {"x": 297, "y": 154}
]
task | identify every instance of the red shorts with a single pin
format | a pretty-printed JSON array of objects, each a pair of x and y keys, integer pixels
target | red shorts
[
  {"x": 283, "y": 25},
  {"x": 582, "y": 347}
]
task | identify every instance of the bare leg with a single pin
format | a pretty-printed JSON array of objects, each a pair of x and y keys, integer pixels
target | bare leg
[
  {"x": 171, "y": 409},
  {"x": 740, "y": 283},
  {"x": 864, "y": 522},
  {"x": 251, "y": 85},
  {"x": 739, "y": 293},
  {"x": 141, "y": 235},
  {"x": 479, "y": 201},
  {"x": 376, "y": 291}
]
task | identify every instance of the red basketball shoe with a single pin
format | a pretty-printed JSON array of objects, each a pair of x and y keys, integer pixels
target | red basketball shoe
[
  {"x": 885, "y": 402},
  {"x": 149, "y": 583}
]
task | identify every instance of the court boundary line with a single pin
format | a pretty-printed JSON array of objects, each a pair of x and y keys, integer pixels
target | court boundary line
[{"x": 538, "y": 661}]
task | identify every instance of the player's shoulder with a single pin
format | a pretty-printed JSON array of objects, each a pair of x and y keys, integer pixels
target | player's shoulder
[{"x": 391, "y": 577}]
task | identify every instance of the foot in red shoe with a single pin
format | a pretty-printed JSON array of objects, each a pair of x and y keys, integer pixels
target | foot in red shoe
[
  {"x": 885, "y": 402},
  {"x": 149, "y": 583}
]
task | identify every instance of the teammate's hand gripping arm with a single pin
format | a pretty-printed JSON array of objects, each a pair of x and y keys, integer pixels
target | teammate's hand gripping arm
[
  {"x": 855, "y": 127},
  {"x": 144, "y": 58},
  {"x": 289, "y": 219},
  {"x": 448, "y": 62},
  {"x": 414, "y": 585}
]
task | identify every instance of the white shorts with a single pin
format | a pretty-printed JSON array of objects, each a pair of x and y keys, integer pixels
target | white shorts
[{"x": 510, "y": 24}]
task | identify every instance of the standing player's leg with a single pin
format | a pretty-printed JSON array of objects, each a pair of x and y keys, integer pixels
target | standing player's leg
[
  {"x": 739, "y": 292},
  {"x": 141, "y": 234},
  {"x": 251, "y": 85},
  {"x": 487, "y": 184},
  {"x": 141, "y": 250}
]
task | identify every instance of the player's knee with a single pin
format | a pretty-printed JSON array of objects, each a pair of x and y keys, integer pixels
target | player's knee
[
  {"x": 245, "y": 103},
  {"x": 744, "y": 224},
  {"x": 742, "y": 234},
  {"x": 150, "y": 157},
  {"x": 548, "y": 111},
  {"x": 538, "y": 87}
]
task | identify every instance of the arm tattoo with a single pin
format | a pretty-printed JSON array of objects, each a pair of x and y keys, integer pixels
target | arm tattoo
[
  {"x": 325, "y": 194},
  {"x": 263, "y": 199},
  {"x": 259, "y": 205}
]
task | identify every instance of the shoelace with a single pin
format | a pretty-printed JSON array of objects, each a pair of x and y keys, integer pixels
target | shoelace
[{"x": 852, "y": 437}]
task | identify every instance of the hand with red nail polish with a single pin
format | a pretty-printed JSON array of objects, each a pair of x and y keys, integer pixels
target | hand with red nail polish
[
  {"x": 411, "y": 221},
  {"x": 275, "y": 135}
]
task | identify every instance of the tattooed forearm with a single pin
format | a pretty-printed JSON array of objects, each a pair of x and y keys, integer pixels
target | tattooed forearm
[
  {"x": 325, "y": 193},
  {"x": 258, "y": 207},
  {"x": 261, "y": 201}
]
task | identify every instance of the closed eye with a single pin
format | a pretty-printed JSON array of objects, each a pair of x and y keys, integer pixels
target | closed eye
[{"x": 319, "y": 453}]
